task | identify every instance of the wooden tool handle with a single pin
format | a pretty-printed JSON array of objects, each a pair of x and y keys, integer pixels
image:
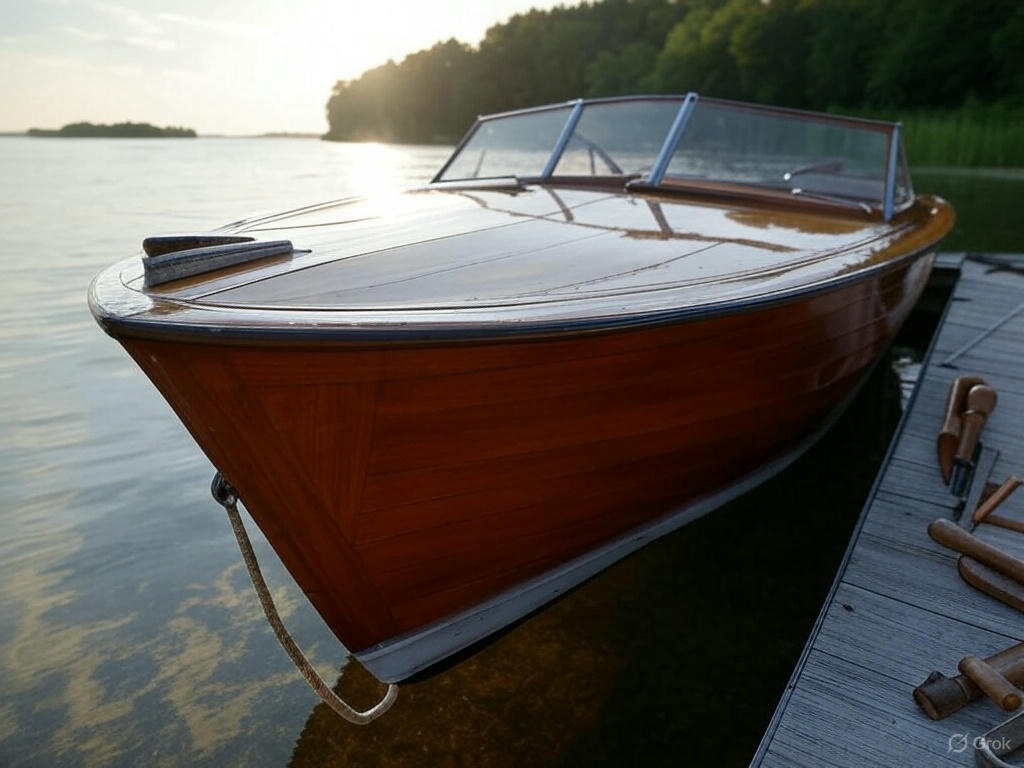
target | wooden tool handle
[
  {"x": 940, "y": 696},
  {"x": 1005, "y": 522},
  {"x": 981, "y": 401},
  {"x": 981, "y": 398},
  {"x": 991, "y": 582},
  {"x": 998, "y": 496},
  {"x": 951, "y": 535},
  {"x": 947, "y": 445},
  {"x": 1010, "y": 666},
  {"x": 971, "y": 424},
  {"x": 949, "y": 435},
  {"x": 995, "y": 686},
  {"x": 957, "y": 401}
]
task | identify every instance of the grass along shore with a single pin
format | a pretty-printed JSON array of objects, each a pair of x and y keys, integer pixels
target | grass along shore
[{"x": 971, "y": 136}]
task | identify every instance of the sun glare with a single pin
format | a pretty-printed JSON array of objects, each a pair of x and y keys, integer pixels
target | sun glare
[{"x": 377, "y": 167}]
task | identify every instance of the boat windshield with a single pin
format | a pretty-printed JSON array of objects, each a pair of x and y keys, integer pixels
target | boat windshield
[
  {"x": 690, "y": 142},
  {"x": 797, "y": 152},
  {"x": 617, "y": 138},
  {"x": 508, "y": 145}
]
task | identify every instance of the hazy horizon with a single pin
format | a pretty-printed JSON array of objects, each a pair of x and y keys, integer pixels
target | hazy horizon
[{"x": 216, "y": 66}]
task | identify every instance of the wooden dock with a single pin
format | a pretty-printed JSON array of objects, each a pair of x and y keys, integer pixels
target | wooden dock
[{"x": 898, "y": 608}]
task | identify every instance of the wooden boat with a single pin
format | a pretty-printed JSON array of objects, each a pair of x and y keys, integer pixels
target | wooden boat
[{"x": 601, "y": 320}]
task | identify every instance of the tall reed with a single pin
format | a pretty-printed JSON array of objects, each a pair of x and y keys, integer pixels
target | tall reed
[{"x": 970, "y": 136}]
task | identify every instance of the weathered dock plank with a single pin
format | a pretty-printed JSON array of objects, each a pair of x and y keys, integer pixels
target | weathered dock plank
[{"x": 898, "y": 608}]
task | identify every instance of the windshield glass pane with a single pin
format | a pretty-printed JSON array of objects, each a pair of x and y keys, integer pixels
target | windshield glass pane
[
  {"x": 514, "y": 145},
  {"x": 618, "y": 137},
  {"x": 802, "y": 154}
]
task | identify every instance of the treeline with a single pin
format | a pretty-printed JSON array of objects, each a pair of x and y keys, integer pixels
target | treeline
[
  {"x": 117, "y": 130},
  {"x": 863, "y": 55}
]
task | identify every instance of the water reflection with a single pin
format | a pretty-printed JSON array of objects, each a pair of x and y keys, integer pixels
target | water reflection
[
  {"x": 676, "y": 655},
  {"x": 987, "y": 203},
  {"x": 194, "y": 662},
  {"x": 128, "y": 632}
]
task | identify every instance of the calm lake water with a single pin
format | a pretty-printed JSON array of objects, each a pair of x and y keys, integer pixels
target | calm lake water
[{"x": 129, "y": 634}]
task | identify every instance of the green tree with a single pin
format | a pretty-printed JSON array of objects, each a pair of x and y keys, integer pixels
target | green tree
[
  {"x": 626, "y": 70},
  {"x": 1007, "y": 49},
  {"x": 937, "y": 53},
  {"x": 806, "y": 53},
  {"x": 779, "y": 33},
  {"x": 697, "y": 55},
  {"x": 844, "y": 34}
]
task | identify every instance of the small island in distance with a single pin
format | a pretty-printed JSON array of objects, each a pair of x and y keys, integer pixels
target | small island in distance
[{"x": 117, "y": 131}]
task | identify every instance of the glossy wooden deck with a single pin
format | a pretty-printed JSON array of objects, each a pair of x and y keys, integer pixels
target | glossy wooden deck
[
  {"x": 487, "y": 262},
  {"x": 404, "y": 483},
  {"x": 899, "y": 609}
]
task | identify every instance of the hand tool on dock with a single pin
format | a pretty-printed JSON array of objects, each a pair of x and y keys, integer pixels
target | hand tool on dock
[
  {"x": 940, "y": 696},
  {"x": 993, "y": 684},
  {"x": 983, "y": 514},
  {"x": 949, "y": 534},
  {"x": 949, "y": 435},
  {"x": 991, "y": 582},
  {"x": 981, "y": 401},
  {"x": 1006, "y": 522}
]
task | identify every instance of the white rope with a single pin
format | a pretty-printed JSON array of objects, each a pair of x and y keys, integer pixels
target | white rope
[{"x": 226, "y": 497}]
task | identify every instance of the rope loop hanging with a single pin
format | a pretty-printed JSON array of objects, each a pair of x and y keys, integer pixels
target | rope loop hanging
[{"x": 227, "y": 497}]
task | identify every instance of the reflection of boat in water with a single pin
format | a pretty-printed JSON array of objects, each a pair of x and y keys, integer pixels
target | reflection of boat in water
[{"x": 601, "y": 320}]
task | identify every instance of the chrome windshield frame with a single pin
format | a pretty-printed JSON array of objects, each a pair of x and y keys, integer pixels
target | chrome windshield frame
[
  {"x": 481, "y": 119},
  {"x": 672, "y": 139},
  {"x": 890, "y": 174},
  {"x": 675, "y": 134},
  {"x": 563, "y": 140}
]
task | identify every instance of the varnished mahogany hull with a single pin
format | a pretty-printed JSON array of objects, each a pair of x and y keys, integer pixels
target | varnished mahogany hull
[{"x": 406, "y": 484}]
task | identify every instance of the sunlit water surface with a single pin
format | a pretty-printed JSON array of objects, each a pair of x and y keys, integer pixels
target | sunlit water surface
[{"x": 129, "y": 634}]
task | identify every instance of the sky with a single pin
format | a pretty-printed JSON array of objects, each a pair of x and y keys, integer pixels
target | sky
[{"x": 218, "y": 66}]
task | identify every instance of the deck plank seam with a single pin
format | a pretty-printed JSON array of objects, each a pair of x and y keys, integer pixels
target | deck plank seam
[{"x": 928, "y": 610}]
